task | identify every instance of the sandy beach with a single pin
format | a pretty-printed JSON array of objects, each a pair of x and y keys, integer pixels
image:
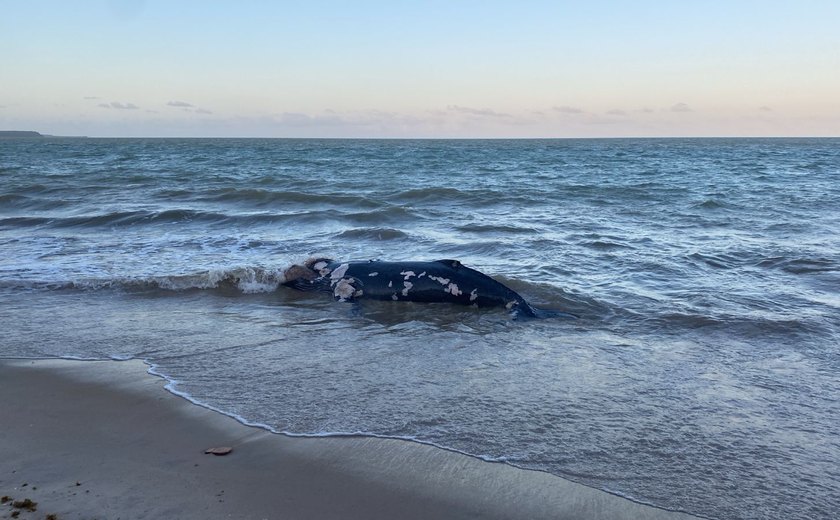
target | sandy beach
[{"x": 103, "y": 439}]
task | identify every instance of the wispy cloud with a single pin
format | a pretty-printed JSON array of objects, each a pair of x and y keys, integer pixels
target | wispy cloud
[
  {"x": 481, "y": 112},
  {"x": 681, "y": 107},
  {"x": 188, "y": 107},
  {"x": 91, "y": 97},
  {"x": 565, "y": 109},
  {"x": 616, "y": 112},
  {"x": 360, "y": 118},
  {"x": 765, "y": 108},
  {"x": 119, "y": 106}
]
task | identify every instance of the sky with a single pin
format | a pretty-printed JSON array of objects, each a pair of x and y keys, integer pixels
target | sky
[{"x": 427, "y": 69}]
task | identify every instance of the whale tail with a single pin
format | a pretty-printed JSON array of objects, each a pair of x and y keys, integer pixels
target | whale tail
[{"x": 526, "y": 310}]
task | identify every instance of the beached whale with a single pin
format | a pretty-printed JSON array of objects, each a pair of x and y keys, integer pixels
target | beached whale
[{"x": 436, "y": 281}]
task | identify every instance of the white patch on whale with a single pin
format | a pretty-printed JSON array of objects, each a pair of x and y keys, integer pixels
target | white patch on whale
[
  {"x": 395, "y": 297},
  {"x": 391, "y": 284},
  {"x": 344, "y": 290},
  {"x": 474, "y": 295},
  {"x": 439, "y": 279},
  {"x": 453, "y": 290},
  {"x": 322, "y": 268},
  {"x": 408, "y": 286},
  {"x": 374, "y": 274},
  {"x": 338, "y": 273},
  {"x": 407, "y": 274}
]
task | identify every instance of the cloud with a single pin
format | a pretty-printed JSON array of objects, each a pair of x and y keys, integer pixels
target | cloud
[
  {"x": 616, "y": 112},
  {"x": 188, "y": 107},
  {"x": 119, "y": 106},
  {"x": 681, "y": 107},
  {"x": 765, "y": 108},
  {"x": 568, "y": 110},
  {"x": 354, "y": 119},
  {"x": 482, "y": 112},
  {"x": 646, "y": 110},
  {"x": 91, "y": 97}
]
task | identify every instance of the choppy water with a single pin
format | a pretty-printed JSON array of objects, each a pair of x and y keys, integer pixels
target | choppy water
[{"x": 703, "y": 375}]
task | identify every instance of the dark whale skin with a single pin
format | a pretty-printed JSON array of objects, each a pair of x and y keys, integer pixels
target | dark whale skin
[{"x": 435, "y": 281}]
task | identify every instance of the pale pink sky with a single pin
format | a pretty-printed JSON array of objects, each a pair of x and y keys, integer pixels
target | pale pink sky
[{"x": 421, "y": 69}]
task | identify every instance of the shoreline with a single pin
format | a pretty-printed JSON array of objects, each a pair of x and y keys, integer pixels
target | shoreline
[{"x": 89, "y": 439}]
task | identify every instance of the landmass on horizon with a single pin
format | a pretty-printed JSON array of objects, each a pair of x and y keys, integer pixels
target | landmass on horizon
[
  {"x": 31, "y": 134},
  {"x": 20, "y": 133}
]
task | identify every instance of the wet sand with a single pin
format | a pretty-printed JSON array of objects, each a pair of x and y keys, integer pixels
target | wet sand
[{"x": 103, "y": 439}]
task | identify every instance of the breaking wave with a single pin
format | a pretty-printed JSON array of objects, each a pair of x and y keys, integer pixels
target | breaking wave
[{"x": 246, "y": 280}]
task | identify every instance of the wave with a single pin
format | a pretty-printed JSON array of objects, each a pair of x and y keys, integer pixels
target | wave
[
  {"x": 425, "y": 194},
  {"x": 711, "y": 204},
  {"x": 13, "y": 199},
  {"x": 261, "y": 197},
  {"x": 721, "y": 260},
  {"x": 392, "y": 214},
  {"x": 800, "y": 265},
  {"x": 495, "y": 228},
  {"x": 117, "y": 218},
  {"x": 31, "y": 189},
  {"x": 25, "y": 202},
  {"x": 476, "y": 197},
  {"x": 744, "y": 325},
  {"x": 374, "y": 233},
  {"x": 606, "y": 245},
  {"x": 789, "y": 263},
  {"x": 245, "y": 280}
]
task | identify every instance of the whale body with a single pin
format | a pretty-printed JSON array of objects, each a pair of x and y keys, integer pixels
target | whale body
[{"x": 435, "y": 281}]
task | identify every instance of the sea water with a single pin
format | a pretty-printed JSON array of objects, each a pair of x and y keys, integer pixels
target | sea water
[{"x": 703, "y": 374}]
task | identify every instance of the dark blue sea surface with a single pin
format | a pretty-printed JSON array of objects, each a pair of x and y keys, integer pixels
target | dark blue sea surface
[{"x": 702, "y": 376}]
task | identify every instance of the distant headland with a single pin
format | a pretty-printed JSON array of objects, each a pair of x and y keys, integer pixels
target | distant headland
[
  {"x": 19, "y": 133},
  {"x": 27, "y": 134}
]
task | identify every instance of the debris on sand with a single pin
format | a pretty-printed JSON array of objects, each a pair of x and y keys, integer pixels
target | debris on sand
[
  {"x": 221, "y": 450},
  {"x": 26, "y": 503}
]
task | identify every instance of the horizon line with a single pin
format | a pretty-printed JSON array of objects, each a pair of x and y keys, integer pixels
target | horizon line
[{"x": 419, "y": 138}]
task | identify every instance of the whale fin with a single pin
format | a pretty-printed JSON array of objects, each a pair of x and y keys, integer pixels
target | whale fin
[
  {"x": 525, "y": 310},
  {"x": 535, "y": 312},
  {"x": 454, "y": 264},
  {"x": 302, "y": 284}
]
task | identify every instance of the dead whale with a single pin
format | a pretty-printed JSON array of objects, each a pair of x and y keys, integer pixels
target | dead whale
[{"x": 435, "y": 281}]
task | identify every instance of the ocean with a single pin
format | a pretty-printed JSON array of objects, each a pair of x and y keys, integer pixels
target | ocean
[{"x": 703, "y": 374}]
